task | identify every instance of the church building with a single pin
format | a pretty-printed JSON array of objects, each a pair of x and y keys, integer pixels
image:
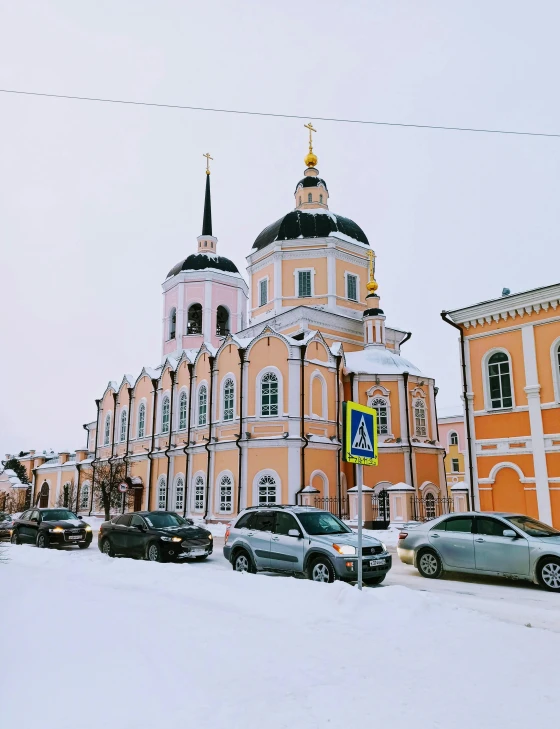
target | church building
[{"x": 245, "y": 404}]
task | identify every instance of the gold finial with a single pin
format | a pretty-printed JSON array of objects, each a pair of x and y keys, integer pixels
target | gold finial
[
  {"x": 310, "y": 158},
  {"x": 208, "y": 158},
  {"x": 372, "y": 284}
]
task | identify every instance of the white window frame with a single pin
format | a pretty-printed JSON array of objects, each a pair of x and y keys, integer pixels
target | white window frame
[
  {"x": 183, "y": 397},
  {"x": 453, "y": 462},
  {"x": 161, "y": 493},
  {"x": 265, "y": 279},
  {"x": 450, "y": 438},
  {"x": 179, "y": 483},
  {"x": 107, "y": 429},
  {"x": 260, "y": 376},
  {"x": 122, "y": 435},
  {"x": 324, "y": 402},
  {"x": 85, "y": 490},
  {"x": 143, "y": 435},
  {"x": 378, "y": 391},
  {"x": 200, "y": 424},
  {"x": 417, "y": 431},
  {"x": 555, "y": 357},
  {"x": 171, "y": 323},
  {"x": 267, "y": 473},
  {"x": 187, "y": 309},
  {"x": 486, "y": 383},
  {"x": 223, "y": 477},
  {"x": 385, "y": 403},
  {"x": 297, "y": 271},
  {"x": 347, "y": 275},
  {"x": 198, "y": 483},
  {"x": 309, "y": 197},
  {"x": 228, "y": 377},
  {"x": 166, "y": 398}
]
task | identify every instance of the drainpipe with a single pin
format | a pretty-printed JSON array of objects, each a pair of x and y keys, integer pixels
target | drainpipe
[
  {"x": 352, "y": 375},
  {"x": 190, "y": 367},
  {"x": 152, "y": 445},
  {"x": 207, "y": 444},
  {"x": 436, "y": 390},
  {"x": 169, "y": 446},
  {"x": 126, "y": 456},
  {"x": 446, "y": 319},
  {"x": 405, "y": 377},
  {"x": 302, "y": 420},
  {"x": 241, "y": 353},
  {"x": 338, "y": 485},
  {"x": 78, "y": 469},
  {"x": 94, "y": 462},
  {"x": 407, "y": 337},
  {"x": 112, "y": 456}
]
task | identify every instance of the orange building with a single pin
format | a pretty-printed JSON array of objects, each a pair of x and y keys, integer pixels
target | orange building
[
  {"x": 510, "y": 350},
  {"x": 453, "y": 437}
]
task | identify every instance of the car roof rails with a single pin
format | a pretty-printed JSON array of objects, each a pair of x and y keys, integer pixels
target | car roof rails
[{"x": 281, "y": 506}]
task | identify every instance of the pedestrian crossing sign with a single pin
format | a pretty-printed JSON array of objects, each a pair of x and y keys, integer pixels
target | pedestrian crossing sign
[{"x": 360, "y": 434}]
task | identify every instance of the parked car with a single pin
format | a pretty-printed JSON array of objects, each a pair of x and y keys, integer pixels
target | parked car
[
  {"x": 302, "y": 541},
  {"x": 6, "y": 525},
  {"x": 159, "y": 536},
  {"x": 50, "y": 528},
  {"x": 489, "y": 543}
]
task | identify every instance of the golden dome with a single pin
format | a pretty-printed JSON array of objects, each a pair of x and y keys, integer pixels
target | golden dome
[
  {"x": 310, "y": 159},
  {"x": 372, "y": 286}
]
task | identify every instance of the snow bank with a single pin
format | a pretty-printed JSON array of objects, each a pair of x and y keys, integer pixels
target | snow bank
[{"x": 189, "y": 644}]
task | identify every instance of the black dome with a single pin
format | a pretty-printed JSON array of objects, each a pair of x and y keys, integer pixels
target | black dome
[
  {"x": 202, "y": 261},
  {"x": 309, "y": 224}
]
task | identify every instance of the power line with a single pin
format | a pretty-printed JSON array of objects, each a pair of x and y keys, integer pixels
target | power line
[{"x": 281, "y": 116}]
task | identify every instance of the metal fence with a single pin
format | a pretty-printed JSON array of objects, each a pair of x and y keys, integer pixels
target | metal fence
[
  {"x": 430, "y": 507},
  {"x": 380, "y": 509},
  {"x": 338, "y": 507}
]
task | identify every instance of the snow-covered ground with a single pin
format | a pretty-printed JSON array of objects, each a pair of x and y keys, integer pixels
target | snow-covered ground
[{"x": 100, "y": 642}]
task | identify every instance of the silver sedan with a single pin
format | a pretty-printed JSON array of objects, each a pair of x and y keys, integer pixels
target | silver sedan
[{"x": 489, "y": 543}]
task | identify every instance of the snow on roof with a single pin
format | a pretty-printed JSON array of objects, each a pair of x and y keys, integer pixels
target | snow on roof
[
  {"x": 316, "y": 211},
  {"x": 130, "y": 379},
  {"x": 347, "y": 238},
  {"x": 243, "y": 342},
  {"x": 378, "y": 361},
  {"x": 153, "y": 373}
]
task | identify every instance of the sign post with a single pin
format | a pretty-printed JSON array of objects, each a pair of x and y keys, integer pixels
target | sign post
[{"x": 360, "y": 448}]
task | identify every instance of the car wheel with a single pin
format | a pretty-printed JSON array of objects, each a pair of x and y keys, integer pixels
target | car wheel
[
  {"x": 321, "y": 570},
  {"x": 84, "y": 546},
  {"x": 14, "y": 539},
  {"x": 429, "y": 564},
  {"x": 154, "y": 553},
  {"x": 242, "y": 562},
  {"x": 549, "y": 574},
  {"x": 107, "y": 548},
  {"x": 42, "y": 540},
  {"x": 371, "y": 581}
]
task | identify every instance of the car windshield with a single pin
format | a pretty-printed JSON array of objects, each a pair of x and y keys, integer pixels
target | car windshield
[
  {"x": 165, "y": 520},
  {"x": 57, "y": 515},
  {"x": 532, "y": 527},
  {"x": 322, "y": 522}
]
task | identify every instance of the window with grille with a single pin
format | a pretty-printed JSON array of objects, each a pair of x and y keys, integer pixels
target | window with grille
[
  {"x": 267, "y": 490},
  {"x": 263, "y": 292},
  {"x": 183, "y": 411},
  {"x": 229, "y": 389},
  {"x": 222, "y": 321},
  {"x": 161, "y": 494},
  {"x": 304, "y": 284},
  {"x": 84, "y": 496},
  {"x": 320, "y": 198},
  {"x": 226, "y": 494},
  {"x": 202, "y": 405},
  {"x": 124, "y": 420},
  {"x": 165, "y": 415},
  {"x": 430, "y": 506},
  {"x": 269, "y": 394},
  {"x": 194, "y": 319},
  {"x": 172, "y": 323},
  {"x": 309, "y": 197},
  {"x": 380, "y": 405},
  {"x": 199, "y": 493},
  {"x": 179, "y": 495},
  {"x": 455, "y": 465},
  {"x": 352, "y": 285},
  {"x": 420, "y": 428},
  {"x": 499, "y": 381},
  {"x": 107, "y": 434},
  {"x": 453, "y": 439},
  {"x": 141, "y": 420}
]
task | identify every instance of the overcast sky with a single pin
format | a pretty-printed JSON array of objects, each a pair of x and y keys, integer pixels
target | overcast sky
[{"x": 99, "y": 201}]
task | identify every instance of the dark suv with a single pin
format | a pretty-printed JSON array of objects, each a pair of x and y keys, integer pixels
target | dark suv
[{"x": 50, "y": 528}]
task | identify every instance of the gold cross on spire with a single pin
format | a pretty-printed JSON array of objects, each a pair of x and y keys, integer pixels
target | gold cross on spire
[
  {"x": 208, "y": 158},
  {"x": 372, "y": 284},
  {"x": 310, "y": 159},
  {"x": 311, "y": 130}
]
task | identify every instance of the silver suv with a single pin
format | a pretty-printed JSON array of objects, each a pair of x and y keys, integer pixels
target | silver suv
[{"x": 304, "y": 541}]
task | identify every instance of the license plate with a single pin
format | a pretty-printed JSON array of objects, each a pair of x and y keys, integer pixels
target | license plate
[
  {"x": 376, "y": 562},
  {"x": 197, "y": 552},
  {"x": 74, "y": 536}
]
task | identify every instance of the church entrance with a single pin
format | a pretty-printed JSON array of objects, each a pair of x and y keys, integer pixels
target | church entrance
[
  {"x": 44, "y": 496},
  {"x": 138, "y": 498}
]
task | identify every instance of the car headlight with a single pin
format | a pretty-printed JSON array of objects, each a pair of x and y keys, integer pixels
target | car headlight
[
  {"x": 56, "y": 530},
  {"x": 210, "y": 537},
  {"x": 172, "y": 539},
  {"x": 344, "y": 549},
  {"x": 384, "y": 546},
  {"x": 88, "y": 528}
]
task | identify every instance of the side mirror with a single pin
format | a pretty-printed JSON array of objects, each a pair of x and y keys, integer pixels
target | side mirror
[
  {"x": 510, "y": 533},
  {"x": 35, "y": 520},
  {"x": 190, "y": 522},
  {"x": 141, "y": 527},
  {"x": 294, "y": 533}
]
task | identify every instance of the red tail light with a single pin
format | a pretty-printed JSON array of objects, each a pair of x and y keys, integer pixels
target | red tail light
[
  {"x": 403, "y": 535},
  {"x": 226, "y": 535}
]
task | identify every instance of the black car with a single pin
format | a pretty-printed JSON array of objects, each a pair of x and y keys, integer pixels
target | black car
[
  {"x": 50, "y": 528},
  {"x": 6, "y": 525},
  {"x": 159, "y": 536}
]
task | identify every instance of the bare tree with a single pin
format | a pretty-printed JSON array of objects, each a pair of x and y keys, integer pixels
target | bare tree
[
  {"x": 108, "y": 476},
  {"x": 67, "y": 496}
]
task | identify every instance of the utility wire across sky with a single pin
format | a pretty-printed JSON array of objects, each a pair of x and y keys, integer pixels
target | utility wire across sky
[{"x": 439, "y": 127}]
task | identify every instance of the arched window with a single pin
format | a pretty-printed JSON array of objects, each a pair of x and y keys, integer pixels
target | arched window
[
  {"x": 107, "y": 434},
  {"x": 194, "y": 319},
  {"x": 124, "y": 422},
  {"x": 318, "y": 397},
  {"x": 556, "y": 369},
  {"x": 161, "y": 493},
  {"x": 183, "y": 411},
  {"x": 179, "y": 494},
  {"x": 141, "y": 420},
  {"x": 380, "y": 404},
  {"x": 430, "y": 506},
  {"x": 84, "y": 496},
  {"x": 226, "y": 494},
  {"x": 499, "y": 381},
  {"x": 269, "y": 394},
  {"x": 229, "y": 391},
  {"x": 165, "y": 415},
  {"x": 309, "y": 197},
  {"x": 199, "y": 493},
  {"x": 172, "y": 322},
  {"x": 202, "y": 405},
  {"x": 420, "y": 428},
  {"x": 222, "y": 321},
  {"x": 320, "y": 198},
  {"x": 453, "y": 438},
  {"x": 267, "y": 490}
]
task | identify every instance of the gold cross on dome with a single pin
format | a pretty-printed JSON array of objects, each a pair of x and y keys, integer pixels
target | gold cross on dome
[
  {"x": 208, "y": 158},
  {"x": 371, "y": 256},
  {"x": 311, "y": 130}
]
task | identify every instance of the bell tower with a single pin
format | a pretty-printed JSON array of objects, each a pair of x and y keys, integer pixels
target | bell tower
[{"x": 373, "y": 317}]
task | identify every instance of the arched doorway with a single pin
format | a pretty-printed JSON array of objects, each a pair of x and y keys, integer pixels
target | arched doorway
[{"x": 44, "y": 496}]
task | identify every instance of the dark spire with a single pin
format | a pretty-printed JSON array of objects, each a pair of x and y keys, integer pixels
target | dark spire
[{"x": 207, "y": 220}]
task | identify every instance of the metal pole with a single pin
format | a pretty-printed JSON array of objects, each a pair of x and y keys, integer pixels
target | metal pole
[{"x": 360, "y": 477}]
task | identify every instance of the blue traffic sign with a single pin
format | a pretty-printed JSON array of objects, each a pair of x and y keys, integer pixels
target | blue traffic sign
[{"x": 360, "y": 434}]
